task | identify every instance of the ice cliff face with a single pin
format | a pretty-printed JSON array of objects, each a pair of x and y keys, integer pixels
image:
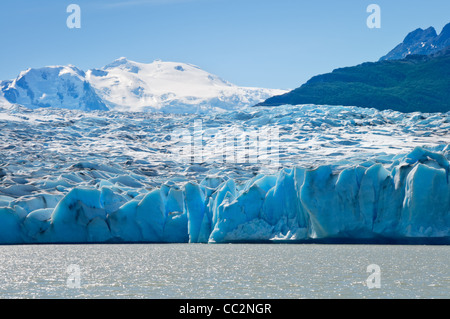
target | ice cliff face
[
  {"x": 343, "y": 173},
  {"x": 409, "y": 200}
]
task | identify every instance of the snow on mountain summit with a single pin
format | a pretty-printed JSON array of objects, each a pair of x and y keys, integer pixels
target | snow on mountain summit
[
  {"x": 125, "y": 85},
  {"x": 168, "y": 86},
  {"x": 52, "y": 86}
]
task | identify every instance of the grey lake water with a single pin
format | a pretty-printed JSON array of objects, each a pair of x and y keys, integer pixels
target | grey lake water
[{"x": 224, "y": 271}]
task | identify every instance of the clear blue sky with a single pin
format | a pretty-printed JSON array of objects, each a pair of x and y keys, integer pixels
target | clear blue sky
[{"x": 276, "y": 43}]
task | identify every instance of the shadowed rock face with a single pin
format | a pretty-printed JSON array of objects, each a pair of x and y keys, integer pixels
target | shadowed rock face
[{"x": 419, "y": 41}]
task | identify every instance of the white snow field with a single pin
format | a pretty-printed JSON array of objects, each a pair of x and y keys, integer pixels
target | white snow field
[
  {"x": 125, "y": 85},
  {"x": 338, "y": 173},
  {"x": 56, "y": 86},
  {"x": 172, "y": 87}
]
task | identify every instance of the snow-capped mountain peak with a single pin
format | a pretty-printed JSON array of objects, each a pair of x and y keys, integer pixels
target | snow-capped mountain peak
[
  {"x": 52, "y": 86},
  {"x": 168, "y": 86},
  {"x": 127, "y": 85}
]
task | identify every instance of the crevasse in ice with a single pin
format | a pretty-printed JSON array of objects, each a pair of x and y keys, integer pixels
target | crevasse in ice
[{"x": 408, "y": 200}]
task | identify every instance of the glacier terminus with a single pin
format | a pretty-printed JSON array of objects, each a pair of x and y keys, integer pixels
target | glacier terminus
[{"x": 345, "y": 174}]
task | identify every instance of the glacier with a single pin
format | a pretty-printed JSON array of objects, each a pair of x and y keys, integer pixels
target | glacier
[
  {"x": 345, "y": 175},
  {"x": 411, "y": 200}
]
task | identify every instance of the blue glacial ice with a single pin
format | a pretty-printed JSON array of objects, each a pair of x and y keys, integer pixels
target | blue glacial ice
[
  {"x": 409, "y": 200},
  {"x": 345, "y": 174}
]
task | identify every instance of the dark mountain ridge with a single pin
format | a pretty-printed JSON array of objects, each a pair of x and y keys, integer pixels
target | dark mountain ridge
[{"x": 414, "y": 83}]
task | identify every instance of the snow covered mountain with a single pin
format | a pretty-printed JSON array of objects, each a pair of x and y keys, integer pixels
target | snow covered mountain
[
  {"x": 130, "y": 86},
  {"x": 52, "y": 86},
  {"x": 168, "y": 86}
]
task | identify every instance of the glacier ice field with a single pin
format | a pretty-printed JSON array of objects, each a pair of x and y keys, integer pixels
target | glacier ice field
[{"x": 343, "y": 174}]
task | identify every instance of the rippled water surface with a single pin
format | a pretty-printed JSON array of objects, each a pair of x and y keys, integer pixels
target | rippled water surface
[{"x": 223, "y": 271}]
